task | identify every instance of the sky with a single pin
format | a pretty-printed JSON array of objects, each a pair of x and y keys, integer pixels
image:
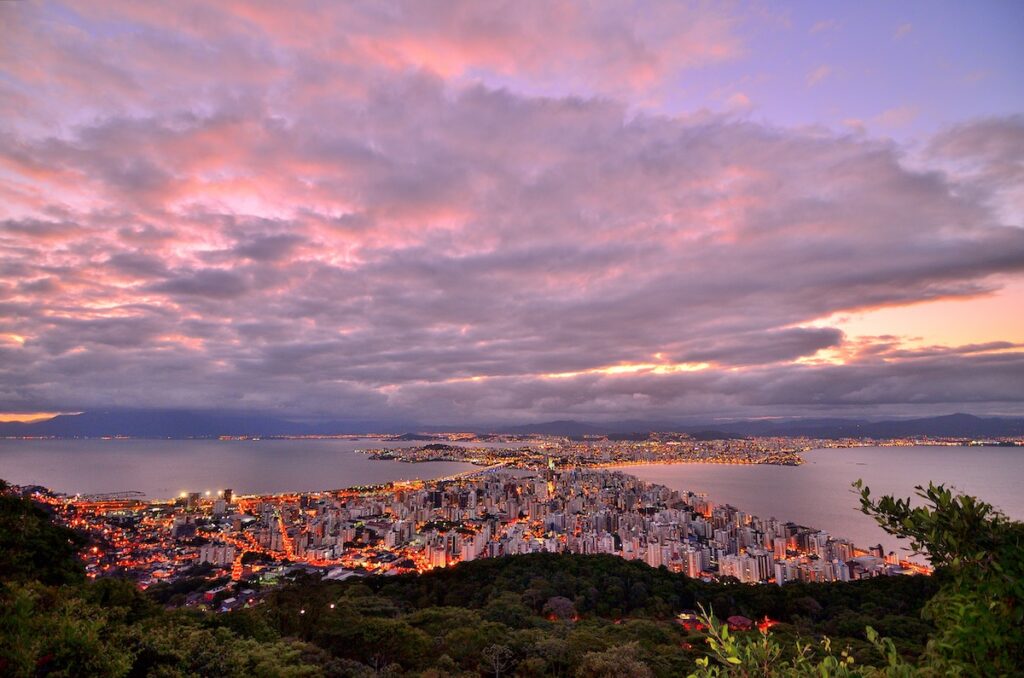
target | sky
[{"x": 475, "y": 212}]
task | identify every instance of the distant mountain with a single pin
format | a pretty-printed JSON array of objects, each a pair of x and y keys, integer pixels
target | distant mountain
[
  {"x": 184, "y": 424},
  {"x": 715, "y": 435},
  {"x": 415, "y": 436},
  {"x": 556, "y": 428},
  {"x": 194, "y": 424},
  {"x": 581, "y": 428},
  {"x": 953, "y": 425}
]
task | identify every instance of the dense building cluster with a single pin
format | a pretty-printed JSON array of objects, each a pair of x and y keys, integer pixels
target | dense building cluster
[
  {"x": 655, "y": 448},
  {"x": 484, "y": 514}
]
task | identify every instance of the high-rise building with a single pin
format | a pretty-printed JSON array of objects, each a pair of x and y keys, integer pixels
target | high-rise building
[
  {"x": 654, "y": 556},
  {"x": 217, "y": 554},
  {"x": 694, "y": 562}
]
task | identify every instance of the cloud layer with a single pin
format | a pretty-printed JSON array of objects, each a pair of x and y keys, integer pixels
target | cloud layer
[{"x": 428, "y": 212}]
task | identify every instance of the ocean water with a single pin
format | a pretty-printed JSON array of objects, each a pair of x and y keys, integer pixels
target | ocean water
[
  {"x": 818, "y": 493},
  {"x": 164, "y": 468}
]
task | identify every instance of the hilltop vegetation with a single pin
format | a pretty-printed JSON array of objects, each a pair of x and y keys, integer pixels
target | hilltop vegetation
[{"x": 535, "y": 615}]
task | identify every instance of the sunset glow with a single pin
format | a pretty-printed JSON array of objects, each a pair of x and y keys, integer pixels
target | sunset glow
[
  {"x": 27, "y": 416},
  {"x": 449, "y": 212}
]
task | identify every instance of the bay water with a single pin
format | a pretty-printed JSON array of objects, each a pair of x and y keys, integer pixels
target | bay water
[
  {"x": 815, "y": 494},
  {"x": 818, "y": 492}
]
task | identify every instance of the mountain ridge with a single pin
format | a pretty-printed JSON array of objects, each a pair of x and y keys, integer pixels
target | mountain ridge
[{"x": 196, "y": 424}]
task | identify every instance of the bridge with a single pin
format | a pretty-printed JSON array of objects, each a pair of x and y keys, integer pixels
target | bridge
[
  {"x": 125, "y": 495},
  {"x": 108, "y": 501},
  {"x": 468, "y": 474}
]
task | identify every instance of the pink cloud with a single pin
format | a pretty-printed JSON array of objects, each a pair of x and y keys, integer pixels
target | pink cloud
[
  {"x": 385, "y": 209},
  {"x": 818, "y": 75},
  {"x": 899, "y": 116}
]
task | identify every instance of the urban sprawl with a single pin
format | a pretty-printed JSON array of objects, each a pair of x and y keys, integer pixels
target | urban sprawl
[{"x": 221, "y": 550}]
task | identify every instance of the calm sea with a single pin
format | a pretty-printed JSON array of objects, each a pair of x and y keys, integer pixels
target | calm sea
[
  {"x": 818, "y": 493},
  {"x": 815, "y": 494},
  {"x": 165, "y": 468}
]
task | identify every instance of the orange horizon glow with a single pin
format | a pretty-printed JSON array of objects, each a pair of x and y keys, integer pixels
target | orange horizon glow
[
  {"x": 489, "y": 213},
  {"x": 948, "y": 321},
  {"x": 29, "y": 417}
]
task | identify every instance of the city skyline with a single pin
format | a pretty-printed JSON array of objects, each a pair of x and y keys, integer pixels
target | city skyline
[{"x": 457, "y": 212}]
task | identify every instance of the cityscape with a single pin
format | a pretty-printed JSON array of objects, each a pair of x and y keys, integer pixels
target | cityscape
[
  {"x": 553, "y": 496},
  {"x": 545, "y": 339},
  {"x": 413, "y": 527},
  {"x": 532, "y": 493},
  {"x": 651, "y": 448}
]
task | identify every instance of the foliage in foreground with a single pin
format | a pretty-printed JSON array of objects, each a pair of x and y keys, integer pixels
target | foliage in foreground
[
  {"x": 978, "y": 611},
  {"x": 536, "y": 615},
  {"x": 32, "y": 547},
  {"x": 979, "y": 555},
  {"x": 765, "y": 656}
]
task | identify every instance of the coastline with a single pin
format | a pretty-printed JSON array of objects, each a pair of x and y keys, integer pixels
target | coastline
[
  {"x": 520, "y": 525},
  {"x": 680, "y": 462}
]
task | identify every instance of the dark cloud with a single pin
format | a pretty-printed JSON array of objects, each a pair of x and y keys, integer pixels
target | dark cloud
[
  {"x": 145, "y": 234},
  {"x": 138, "y": 264},
  {"x": 69, "y": 333},
  {"x": 362, "y": 228},
  {"x": 212, "y": 283},
  {"x": 39, "y": 286},
  {"x": 268, "y": 248},
  {"x": 39, "y": 228},
  {"x": 764, "y": 347}
]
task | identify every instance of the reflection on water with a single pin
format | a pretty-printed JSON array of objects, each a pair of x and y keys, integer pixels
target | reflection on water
[
  {"x": 165, "y": 468},
  {"x": 817, "y": 493}
]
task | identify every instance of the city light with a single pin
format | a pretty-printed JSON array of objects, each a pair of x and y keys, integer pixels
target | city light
[{"x": 549, "y": 495}]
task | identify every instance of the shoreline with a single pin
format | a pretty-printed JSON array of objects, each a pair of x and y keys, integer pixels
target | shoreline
[
  {"x": 800, "y": 556},
  {"x": 372, "y": 488},
  {"x": 681, "y": 462}
]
